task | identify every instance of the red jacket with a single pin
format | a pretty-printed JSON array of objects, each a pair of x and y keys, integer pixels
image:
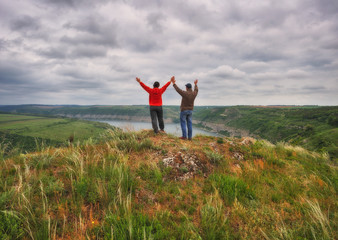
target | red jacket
[{"x": 155, "y": 94}]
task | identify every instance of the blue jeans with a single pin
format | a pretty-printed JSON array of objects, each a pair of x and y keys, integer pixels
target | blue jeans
[{"x": 185, "y": 118}]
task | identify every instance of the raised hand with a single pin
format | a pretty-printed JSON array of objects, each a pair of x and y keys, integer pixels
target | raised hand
[
  {"x": 196, "y": 81},
  {"x": 138, "y": 80},
  {"x": 173, "y": 80}
]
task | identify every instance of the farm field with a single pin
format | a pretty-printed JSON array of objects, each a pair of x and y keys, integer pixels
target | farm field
[{"x": 24, "y": 131}]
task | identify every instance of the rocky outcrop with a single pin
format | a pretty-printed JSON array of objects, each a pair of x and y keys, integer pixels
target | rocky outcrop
[{"x": 184, "y": 166}]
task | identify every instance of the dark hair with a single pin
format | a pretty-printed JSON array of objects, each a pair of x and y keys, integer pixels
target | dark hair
[{"x": 156, "y": 84}]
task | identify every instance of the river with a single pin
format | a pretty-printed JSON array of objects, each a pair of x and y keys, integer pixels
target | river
[{"x": 173, "y": 128}]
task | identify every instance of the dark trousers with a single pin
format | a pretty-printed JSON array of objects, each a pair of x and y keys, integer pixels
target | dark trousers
[{"x": 156, "y": 114}]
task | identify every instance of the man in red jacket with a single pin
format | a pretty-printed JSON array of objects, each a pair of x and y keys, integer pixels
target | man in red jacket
[{"x": 155, "y": 102}]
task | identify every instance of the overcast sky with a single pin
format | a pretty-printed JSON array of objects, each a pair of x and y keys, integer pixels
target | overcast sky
[{"x": 244, "y": 52}]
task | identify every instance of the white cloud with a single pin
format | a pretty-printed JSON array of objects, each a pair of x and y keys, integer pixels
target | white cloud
[{"x": 243, "y": 52}]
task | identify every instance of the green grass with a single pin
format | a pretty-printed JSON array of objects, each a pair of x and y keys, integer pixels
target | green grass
[
  {"x": 215, "y": 157},
  {"x": 312, "y": 127},
  {"x": 57, "y": 129},
  {"x": 230, "y": 188},
  {"x": 214, "y": 223},
  {"x": 110, "y": 189},
  {"x": 29, "y": 133}
]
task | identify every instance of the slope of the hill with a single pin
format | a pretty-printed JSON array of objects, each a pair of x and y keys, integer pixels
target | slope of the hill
[
  {"x": 315, "y": 128},
  {"x": 136, "y": 185}
]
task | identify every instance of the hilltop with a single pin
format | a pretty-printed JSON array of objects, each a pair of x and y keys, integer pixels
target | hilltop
[{"x": 137, "y": 185}]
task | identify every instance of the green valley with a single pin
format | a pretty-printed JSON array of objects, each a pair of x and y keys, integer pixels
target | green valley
[
  {"x": 312, "y": 127},
  {"x": 26, "y": 132}
]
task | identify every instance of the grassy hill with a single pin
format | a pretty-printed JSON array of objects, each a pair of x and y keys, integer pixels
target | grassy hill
[
  {"x": 315, "y": 128},
  {"x": 135, "y": 185}
]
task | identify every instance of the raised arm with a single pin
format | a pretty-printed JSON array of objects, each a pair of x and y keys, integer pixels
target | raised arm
[
  {"x": 165, "y": 87},
  {"x": 178, "y": 90},
  {"x": 145, "y": 87},
  {"x": 172, "y": 80},
  {"x": 196, "y": 88}
]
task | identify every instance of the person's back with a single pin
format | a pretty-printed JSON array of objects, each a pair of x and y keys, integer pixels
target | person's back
[
  {"x": 187, "y": 106},
  {"x": 188, "y": 97},
  {"x": 155, "y": 103},
  {"x": 155, "y": 95}
]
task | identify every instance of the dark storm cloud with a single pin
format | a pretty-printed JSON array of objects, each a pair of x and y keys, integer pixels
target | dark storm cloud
[
  {"x": 155, "y": 20},
  {"x": 331, "y": 44},
  {"x": 108, "y": 40},
  {"x": 68, "y": 3},
  {"x": 195, "y": 14},
  {"x": 81, "y": 51},
  {"x": 226, "y": 72},
  {"x": 3, "y": 44},
  {"x": 71, "y": 3},
  {"x": 142, "y": 44},
  {"x": 88, "y": 52},
  {"x": 76, "y": 52},
  {"x": 11, "y": 75},
  {"x": 82, "y": 84},
  {"x": 317, "y": 62},
  {"x": 119, "y": 67},
  {"x": 263, "y": 55},
  {"x": 90, "y": 39},
  {"x": 53, "y": 53},
  {"x": 315, "y": 88},
  {"x": 328, "y": 8},
  {"x": 73, "y": 73},
  {"x": 92, "y": 24},
  {"x": 25, "y": 23}
]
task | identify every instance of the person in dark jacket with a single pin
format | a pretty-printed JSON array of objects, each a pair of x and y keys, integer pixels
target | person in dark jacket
[
  {"x": 155, "y": 103},
  {"x": 187, "y": 106}
]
